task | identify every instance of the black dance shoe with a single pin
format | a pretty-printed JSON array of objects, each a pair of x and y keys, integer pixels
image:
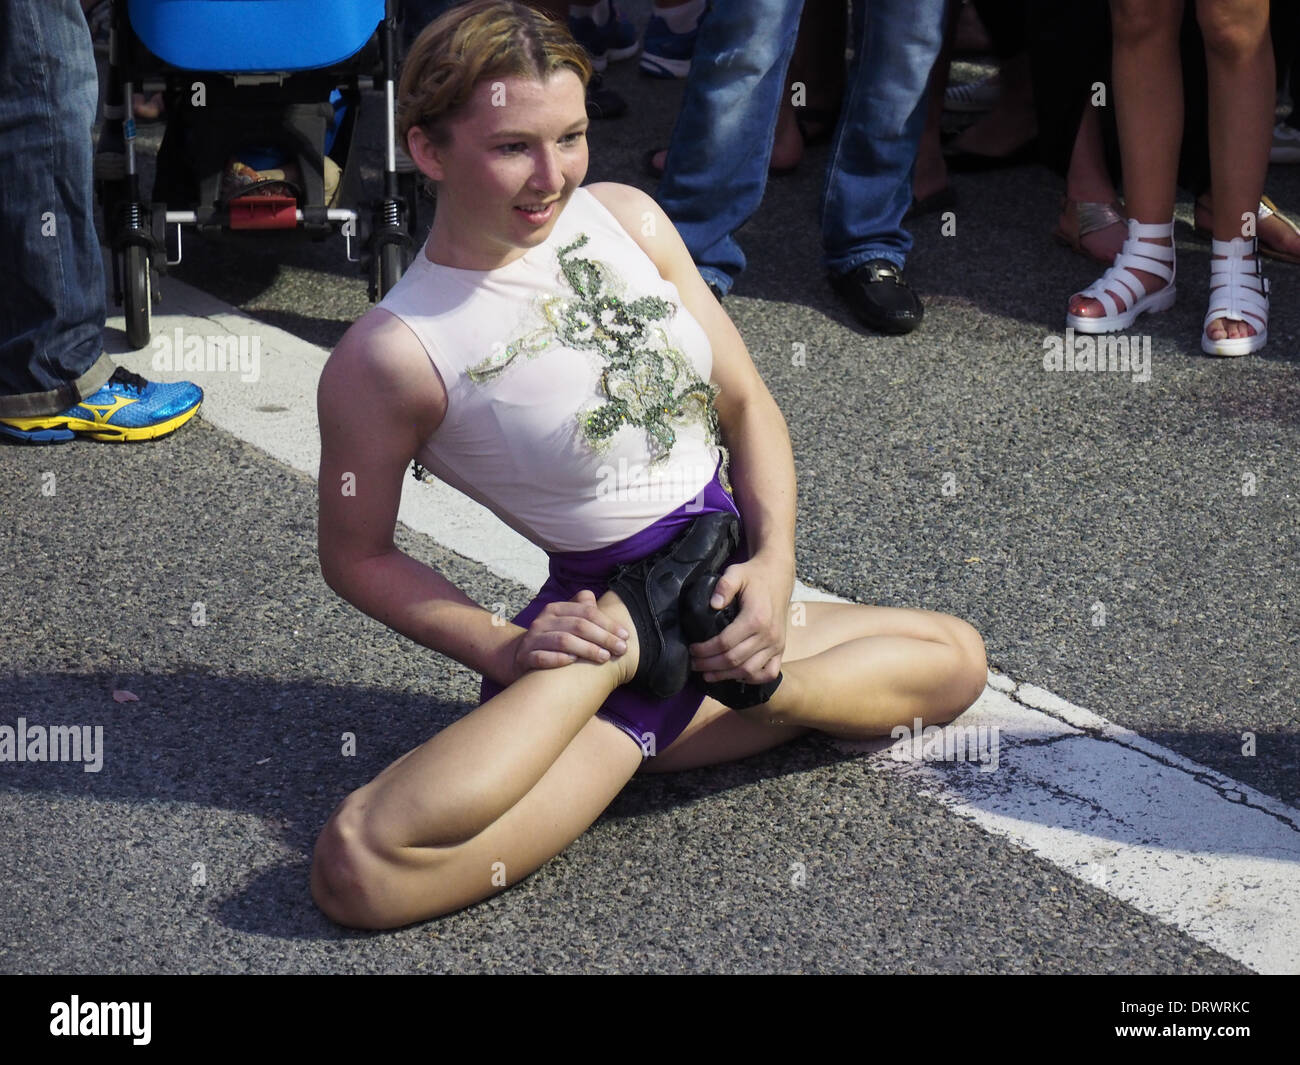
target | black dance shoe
[
  {"x": 701, "y": 622},
  {"x": 652, "y": 592}
]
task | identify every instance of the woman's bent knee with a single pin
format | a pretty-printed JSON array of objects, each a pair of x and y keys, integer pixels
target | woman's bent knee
[
  {"x": 346, "y": 871},
  {"x": 971, "y": 676}
]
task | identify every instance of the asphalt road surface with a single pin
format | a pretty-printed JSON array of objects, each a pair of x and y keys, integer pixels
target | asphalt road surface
[{"x": 1129, "y": 546}]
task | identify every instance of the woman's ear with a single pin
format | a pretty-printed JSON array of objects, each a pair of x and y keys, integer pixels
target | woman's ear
[{"x": 424, "y": 153}]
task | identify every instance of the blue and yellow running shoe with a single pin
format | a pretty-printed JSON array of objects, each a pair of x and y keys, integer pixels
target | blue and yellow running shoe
[{"x": 127, "y": 408}]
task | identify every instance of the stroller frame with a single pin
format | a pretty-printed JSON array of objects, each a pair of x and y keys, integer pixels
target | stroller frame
[{"x": 138, "y": 229}]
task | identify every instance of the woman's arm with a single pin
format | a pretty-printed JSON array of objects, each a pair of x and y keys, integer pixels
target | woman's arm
[
  {"x": 762, "y": 462},
  {"x": 378, "y": 400}
]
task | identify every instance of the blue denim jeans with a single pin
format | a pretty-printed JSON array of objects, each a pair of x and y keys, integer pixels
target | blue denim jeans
[
  {"x": 722, "y": 142},
  {"x": 51, "y": 272}
]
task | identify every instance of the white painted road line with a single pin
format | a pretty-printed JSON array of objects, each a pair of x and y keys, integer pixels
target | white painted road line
[{"x": 1174, "y": 839}]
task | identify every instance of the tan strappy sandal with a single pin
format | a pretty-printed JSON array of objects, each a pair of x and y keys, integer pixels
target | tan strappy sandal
[
  {"x": 1266, "y": 208},
  {"x": 1086, "y": 217}
]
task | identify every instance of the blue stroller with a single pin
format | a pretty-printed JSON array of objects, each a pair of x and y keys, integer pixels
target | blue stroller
[{"x": 253, "y": 89}]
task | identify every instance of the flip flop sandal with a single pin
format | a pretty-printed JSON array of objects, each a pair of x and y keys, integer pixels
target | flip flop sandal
[{"x": 651, "y": 590}]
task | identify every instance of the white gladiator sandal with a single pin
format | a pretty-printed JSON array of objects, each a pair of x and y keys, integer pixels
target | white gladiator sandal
[
  {"x": 1239, "y": 291},
  {"x": 1137, "y": 254}
]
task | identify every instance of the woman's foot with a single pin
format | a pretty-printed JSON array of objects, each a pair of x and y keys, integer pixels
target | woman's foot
[
  {"x": 700, "y": 623},
  {"x": 1237, "y": 321},
  {"x": 1273, "y": 234},
  {"x": 148, "y": 109},
  {"x": 1094, "y": 229},
  {"x": 1141, "y": 280},
  {"x": 1279, "y": 234},
  {"x": 1229, "y": 328}
]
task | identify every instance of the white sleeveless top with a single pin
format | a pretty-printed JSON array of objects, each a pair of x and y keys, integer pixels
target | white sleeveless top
[{"x": 579, "y": 408}]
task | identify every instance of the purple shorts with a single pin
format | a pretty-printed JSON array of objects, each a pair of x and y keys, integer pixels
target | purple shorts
[{"x": 653, "y": 724}]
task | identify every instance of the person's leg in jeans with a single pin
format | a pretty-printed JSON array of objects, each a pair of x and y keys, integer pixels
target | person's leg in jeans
[
  {"x": 52, "y": 314},
  {"x": 722, "y": 142},
  {"x": 55, "y": 380},
  {"x": 869, "y": 177}
]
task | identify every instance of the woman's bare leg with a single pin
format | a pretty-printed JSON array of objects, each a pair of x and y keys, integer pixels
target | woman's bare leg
[
  {"x": 1088, "y": 181},
  {"x": 1148, "y": 77},
  {"x": 450, "y": 789},
  {"x": 1239, "y": 61},
  {"x": 365, "y": 887},
  {"x": 932, "y": 667},
  {"x": 876, "y": 667},
  {"x": 1274, "y": 234},
  {"x": 488, "y": 760},
  {"x": 869, "y": 669},
  {"x": 501, "y": 791}
]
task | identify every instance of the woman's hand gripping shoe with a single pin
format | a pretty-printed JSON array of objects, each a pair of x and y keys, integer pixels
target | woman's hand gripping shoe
[
  {"x": 651, "y": 590},
  {"x": 701, "y": 622}
]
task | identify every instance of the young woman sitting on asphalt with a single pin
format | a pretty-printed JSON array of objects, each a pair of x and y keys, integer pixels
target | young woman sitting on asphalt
[{"x": 554, "y": 354}]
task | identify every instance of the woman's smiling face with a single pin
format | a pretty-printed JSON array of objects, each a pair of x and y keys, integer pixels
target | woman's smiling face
[{"x": 514, "y": 158}]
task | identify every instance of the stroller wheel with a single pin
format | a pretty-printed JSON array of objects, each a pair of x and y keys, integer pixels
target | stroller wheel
[{"x": 137, "y": 296}]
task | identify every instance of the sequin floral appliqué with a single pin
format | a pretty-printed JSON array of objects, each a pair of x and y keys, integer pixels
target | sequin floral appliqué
[{"x": 646, "y": 381}]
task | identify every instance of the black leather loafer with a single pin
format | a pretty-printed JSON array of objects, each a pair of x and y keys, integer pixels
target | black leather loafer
[
  {"x": 701, "y": 622},
  {"x": 879, "y": 297},
  {"x": 652, "y": 592}
]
